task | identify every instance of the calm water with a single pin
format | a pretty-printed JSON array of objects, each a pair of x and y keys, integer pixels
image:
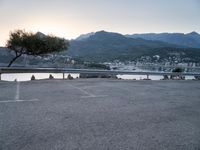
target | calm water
[
  {"x": 27, "y": 76},
  {"x": 141, "y": 77}
]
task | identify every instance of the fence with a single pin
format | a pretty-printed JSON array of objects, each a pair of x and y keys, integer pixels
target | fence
[{"x": 89, "y": 71}]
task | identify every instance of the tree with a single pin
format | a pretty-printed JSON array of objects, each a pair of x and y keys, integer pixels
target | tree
[
  {"x": 178, "y": 70},
  {"x": 28, "y": 43}
]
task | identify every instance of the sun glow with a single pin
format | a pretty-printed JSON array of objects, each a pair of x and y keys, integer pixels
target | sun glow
[
  {"x": 50, "y": 28},
  {"x": 58, "y": 26}
]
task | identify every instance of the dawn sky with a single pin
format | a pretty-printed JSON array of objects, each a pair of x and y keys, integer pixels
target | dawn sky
[{"x": 70, "y": 18}]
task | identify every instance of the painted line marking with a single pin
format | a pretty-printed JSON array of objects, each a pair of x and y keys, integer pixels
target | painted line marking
[
  {"x": 88, "y": 95},
  {"x": 17, "y": 97},
  {"x": 17, "y": 91},
  {"x": 94, "y": 96},
  {"x": 83, "y": 91},
  {"x": 14, "y": 101}
]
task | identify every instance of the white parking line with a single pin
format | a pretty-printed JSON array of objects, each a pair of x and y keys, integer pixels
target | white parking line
[
  {"x": 17, "y": 91},
  {"x": 17, "y": 96},
  {"x": 88, "y": 95},
  {"x": 94, "y": 96},
  {"x": 83, "y": 91},
  {"x": 14, "y": 101}
]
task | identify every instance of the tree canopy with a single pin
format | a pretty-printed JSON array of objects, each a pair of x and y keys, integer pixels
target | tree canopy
[
  {"x": 178, "y": 70},
  {"x": 28, "y": 43}
]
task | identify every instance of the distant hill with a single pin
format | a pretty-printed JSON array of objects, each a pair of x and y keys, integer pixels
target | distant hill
[
  {"x": 84, "y": 36},
  {"x": 5, "y": 56},
  {"x": 55, "y": 60},
  {"x": 188, "y": 40},
  {"x": 40, "y": 34},
  {"x": 108, "y": 46}
]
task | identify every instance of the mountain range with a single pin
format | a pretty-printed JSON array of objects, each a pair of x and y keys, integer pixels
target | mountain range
[
  {"x": 105, "y": 46},
  {"x": 108, "y": 46},
  {"x": 188, "y": 40}
]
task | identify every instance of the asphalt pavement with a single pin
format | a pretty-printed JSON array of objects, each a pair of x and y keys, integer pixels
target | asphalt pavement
[{"x": 100, "y": 114}]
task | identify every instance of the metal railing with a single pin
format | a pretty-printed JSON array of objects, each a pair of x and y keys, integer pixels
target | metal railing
[{"x": 90, "y": 71}]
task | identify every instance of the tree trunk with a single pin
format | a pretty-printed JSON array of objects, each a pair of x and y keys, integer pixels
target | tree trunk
[{"x": 14, "y": 59}]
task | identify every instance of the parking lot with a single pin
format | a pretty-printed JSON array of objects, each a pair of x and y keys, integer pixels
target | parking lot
[{"x": 100, "y": 114}]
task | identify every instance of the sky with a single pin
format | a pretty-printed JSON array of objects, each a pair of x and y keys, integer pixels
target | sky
[{"x": 70, "y": 18}]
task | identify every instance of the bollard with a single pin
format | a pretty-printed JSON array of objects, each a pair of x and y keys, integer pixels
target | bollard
[
  {"x": 70, "y": 77},
  {"x": 32, "y": 78},
  {"x": 63, "y": 76},
  {"x": 147, "y": 77},
  {"x": 51, "y": 77}
]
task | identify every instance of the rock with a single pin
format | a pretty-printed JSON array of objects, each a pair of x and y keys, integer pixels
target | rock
[
  {"x": 32, "y": 77},
  {"x": 51, "y": 76}
]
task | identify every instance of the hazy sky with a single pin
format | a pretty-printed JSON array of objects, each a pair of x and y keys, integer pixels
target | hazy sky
[{"x": 70, "y": 18}]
